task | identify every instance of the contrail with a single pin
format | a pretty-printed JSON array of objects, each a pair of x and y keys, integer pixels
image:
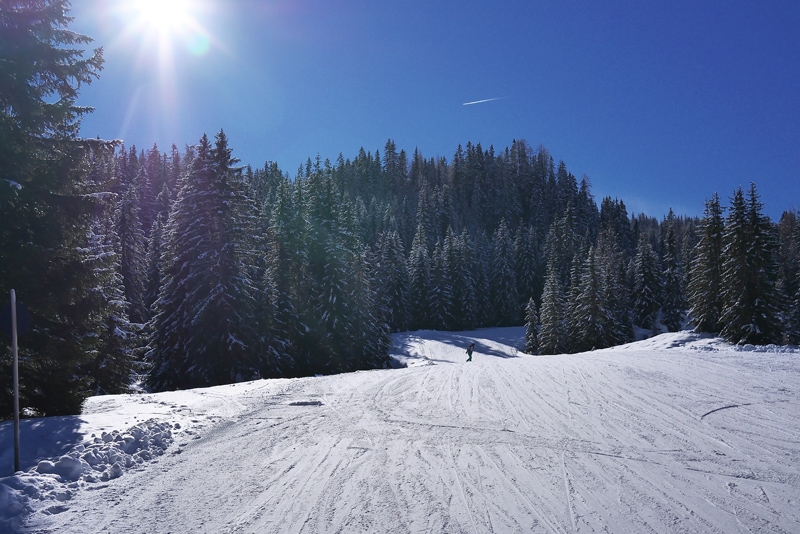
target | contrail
[{"x": 482, "y": 101}]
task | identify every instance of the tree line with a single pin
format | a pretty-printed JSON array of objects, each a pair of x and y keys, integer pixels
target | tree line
[{"x": 183, "y": 269}]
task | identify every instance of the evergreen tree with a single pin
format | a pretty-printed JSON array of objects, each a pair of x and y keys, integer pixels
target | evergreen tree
[
  {"x": 441, "y": 294},
  {"x": 284, "y": 280},
  {"x": 114, "y": 363},
  {"x": 572, "y": 319},
  {"x": 503, "y": 280},
  {"x": 562, "y": 245},
  {"x": 132, "y": 252},
  {"x": 592, "y": 317},
  {"x": 526, "y": 263},
  {"x": 419, "y": 279},
  {"x": 531, "y": 327},
  {"x": 552, "y": 333},
  {"x": 202, "y": 330},
  {"x": 460, "y": 262},
  {"x": 749, "y": 274},
  {"x": 614, "y": 290},
  {"x": 705, "y": 286},
  {"x": 391, "y": 281},
  {"x": 46, "y": 206},
  {"x": 789, "y": 277},
  {"x": 153, "y": 265},
  {"x": 646, "y": 285},
  {"x": 673, "y": 302}
]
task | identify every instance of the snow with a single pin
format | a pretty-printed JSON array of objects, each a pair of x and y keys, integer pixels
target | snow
[{"x": 679, "y": 432}]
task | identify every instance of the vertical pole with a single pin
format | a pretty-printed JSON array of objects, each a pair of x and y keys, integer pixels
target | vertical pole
[{"x": 16, "y": 378}]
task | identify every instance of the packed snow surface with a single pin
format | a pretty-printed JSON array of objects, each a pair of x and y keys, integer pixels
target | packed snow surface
[{"x": 677, "y": 433}]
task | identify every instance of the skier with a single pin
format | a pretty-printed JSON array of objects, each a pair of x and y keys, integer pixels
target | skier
[{"x": 469, "y": 351}]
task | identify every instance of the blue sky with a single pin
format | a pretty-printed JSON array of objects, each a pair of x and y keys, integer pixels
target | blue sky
[{"x": 658, "y": 103}]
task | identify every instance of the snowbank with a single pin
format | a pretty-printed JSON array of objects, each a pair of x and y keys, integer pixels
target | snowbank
[{"x": 99, "y": 459}]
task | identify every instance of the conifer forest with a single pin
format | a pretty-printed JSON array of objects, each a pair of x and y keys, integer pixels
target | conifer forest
[{"x": 180, "y": 268}]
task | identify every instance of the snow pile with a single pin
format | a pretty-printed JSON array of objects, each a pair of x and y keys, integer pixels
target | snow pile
[{"x": 99, "y": 459}]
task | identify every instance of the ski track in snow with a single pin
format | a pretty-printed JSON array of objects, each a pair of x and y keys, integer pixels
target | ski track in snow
[{"x": 679, "y": 433}]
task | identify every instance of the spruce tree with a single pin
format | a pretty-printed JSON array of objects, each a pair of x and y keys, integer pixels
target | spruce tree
[
  {"x": 153, "y": 265},
  {"x": 419, "y": 280},
  {"x": 392, "y": 281},
  {"x": 112, "y": 368},
  {"x": 749, "y": 274},
  {"x": 552, "y": 333},
  {"x": 440, "y": 297},
  {"x": 615, "y": 292},
  {"x": 526, "y": 264},
  {"x": 705, "y": 286},
  {"x": 646, "y": 285},
  {"x": 672, "y": 302},
  {"x": 202, "y": 333},
  {"x": 592, "y": 318},
  {"x": 132, "y": 252},
  {"x": 503, "y": 280},
  {"x": 465, "y": 307},
  {"x": 46, "y": 205},
  {"x": 531, "y": 327}
]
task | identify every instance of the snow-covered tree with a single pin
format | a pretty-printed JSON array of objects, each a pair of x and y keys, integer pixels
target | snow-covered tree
[
  {"x": 419, "y": 279},
  {"x": 503, "y": 280},
  {"x": 552, "y": 333},
  {"x": 202, "y": 332},
  {"x": 391, "y": 283},
  {"x": 132, "y": 251},
  {"x": 646, "y": 285},
  {"x": 526, "y": 264},
  {"x": 440, "y": 297},
  {"x": 749, "y": 274},
  {"x": 705, "y": 286},
  {"x": 461, "y": 264},
  {"x": 591, "y": 316},
  {"x": 673, "y": 303},
  {"x": 531, "y": 327}
]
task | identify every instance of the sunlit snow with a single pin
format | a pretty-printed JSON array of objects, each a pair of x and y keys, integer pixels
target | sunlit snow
[{"x": 680, "y": 432}]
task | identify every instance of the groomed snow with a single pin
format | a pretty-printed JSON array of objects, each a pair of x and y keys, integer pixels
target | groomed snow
[{"x": 677, "y": 433}]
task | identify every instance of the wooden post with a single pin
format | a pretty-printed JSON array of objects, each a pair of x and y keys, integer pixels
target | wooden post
[{"x": 16, "y": 378}]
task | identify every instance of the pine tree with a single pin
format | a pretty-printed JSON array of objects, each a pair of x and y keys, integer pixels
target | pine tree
[
  {"x": 419, "y": 279},
  {"x": 789, "y": 279},
  {"x": 646, "y": 285},
  {"x": 46, "y": 205},
  {"x": 392, "y": 281},
  {"x": 440, "y": 294},
  {"x": 615, "y": 292},
  {"x": 592, "y": 317},
  {"x": 705, "y": 286},
  {"x": 153, "y": 265},
  {"x": 552, "y": 333},
  {"x": 112, "y": 368},
  {"x": 132, "y": 252},
  {"x": 284, "y": 280},
  {"x": 526, "y": 263},
  {"x": 749, "y": 274},
  {"x": 572, "y": 319},
  {"x": 202, "y": 331},
  {"x": 672, "y": 303},
  {"x": 531, "y": 327},
  {"x": 503, "y": 280},
  {"x": 460, "y": 262}
]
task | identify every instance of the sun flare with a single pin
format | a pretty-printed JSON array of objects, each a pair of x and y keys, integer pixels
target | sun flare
[{"x": 166, "y": 15}]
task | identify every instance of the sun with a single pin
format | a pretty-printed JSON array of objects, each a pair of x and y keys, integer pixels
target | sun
[{"x": 163, "y": 15}]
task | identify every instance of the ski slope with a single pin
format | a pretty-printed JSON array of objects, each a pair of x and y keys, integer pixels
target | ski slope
[{"x": 678, "y": 433}]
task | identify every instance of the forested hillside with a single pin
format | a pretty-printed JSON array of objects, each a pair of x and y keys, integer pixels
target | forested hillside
[{"x": 213, "y": 273}]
